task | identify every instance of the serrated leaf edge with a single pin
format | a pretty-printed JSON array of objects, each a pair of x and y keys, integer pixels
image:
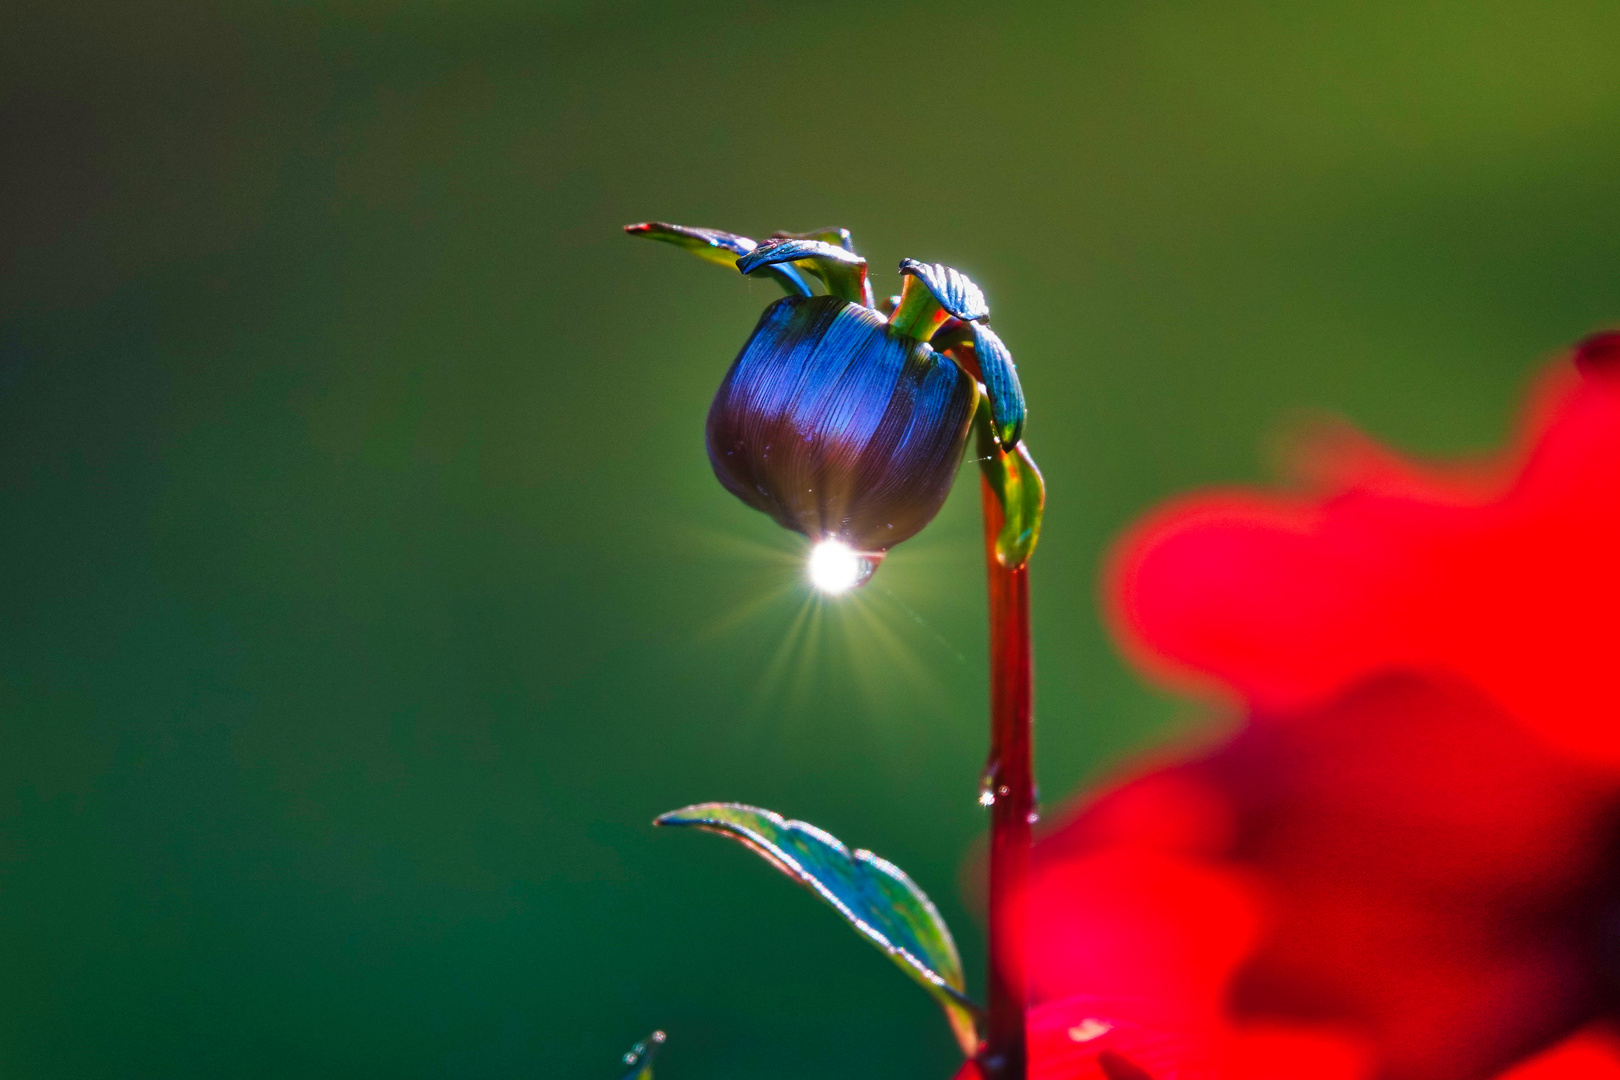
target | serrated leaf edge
[{"x": 791, "y": 867}]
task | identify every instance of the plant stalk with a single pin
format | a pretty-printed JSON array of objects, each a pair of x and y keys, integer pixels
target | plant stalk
[{"x": 1010, "y": 786}]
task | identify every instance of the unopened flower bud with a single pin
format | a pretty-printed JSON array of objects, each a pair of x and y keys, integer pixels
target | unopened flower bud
[
  {"x": 837, "y": 426},
  {"x": 840, "y": 419}
]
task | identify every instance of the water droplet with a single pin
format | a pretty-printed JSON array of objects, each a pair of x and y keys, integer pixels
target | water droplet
[
  {"x": 835, "y": 567},
  {"x": 987, "y": 784}
]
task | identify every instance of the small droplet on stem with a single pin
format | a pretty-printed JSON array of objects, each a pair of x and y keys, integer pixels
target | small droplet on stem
[{"x": 989, "y": 784}]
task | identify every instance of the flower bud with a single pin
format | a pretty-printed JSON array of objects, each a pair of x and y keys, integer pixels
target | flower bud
[
  {"x": 839, "y": 427},
  {"x": 845, "y": 420}
]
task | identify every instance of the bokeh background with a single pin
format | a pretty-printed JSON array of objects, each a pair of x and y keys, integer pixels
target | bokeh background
[{"x": 363, "y": 587}]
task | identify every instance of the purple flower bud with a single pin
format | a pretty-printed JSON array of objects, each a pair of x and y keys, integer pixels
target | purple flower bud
[{"x": 839, "y": 427}]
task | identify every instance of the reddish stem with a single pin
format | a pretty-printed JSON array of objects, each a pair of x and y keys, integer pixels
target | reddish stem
[{"x": 1010, "y": 779}]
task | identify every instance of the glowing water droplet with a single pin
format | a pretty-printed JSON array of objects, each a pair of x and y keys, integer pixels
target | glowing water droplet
[{"x": 835, "y": 567}]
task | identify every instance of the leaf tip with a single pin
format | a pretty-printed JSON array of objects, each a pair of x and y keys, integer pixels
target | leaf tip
[{"x": 695, "y": 814}]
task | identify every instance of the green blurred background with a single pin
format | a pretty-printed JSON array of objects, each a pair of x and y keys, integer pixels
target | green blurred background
[{"x": 364, "y": 589}]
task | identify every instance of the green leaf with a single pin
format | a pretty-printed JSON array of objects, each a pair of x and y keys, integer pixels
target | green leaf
[
  {"x": 638, "y": 1062},
  {"x": 1018, "y": 488},
  {"x": 872, "y": 894},
  {"x": 843, "y": 272},
  {"x": 719, "y": 247}
]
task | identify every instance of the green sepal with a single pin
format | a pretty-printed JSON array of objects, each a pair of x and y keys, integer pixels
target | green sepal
[
  {"x": 843, "y": 272},
  {"x": 718, "y": 247},
  {"x": 841, "y": 237},
  {"x": 872, "y": 894},
  {"x": 829, "y": 235},
  {"x": 915, "y": 312},
  {"x": 638, "y": 1062},
  {"x": 1018, "y": 487},
  {"x": 930, "y": 295}
]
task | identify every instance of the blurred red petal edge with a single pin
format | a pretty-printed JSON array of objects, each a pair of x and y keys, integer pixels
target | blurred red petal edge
[
  {"x": 1593, "y": 1053},
  {"x": 1283, "y": 600}
]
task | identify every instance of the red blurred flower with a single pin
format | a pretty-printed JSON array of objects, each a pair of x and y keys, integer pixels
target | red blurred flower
[{"x": 1404, "y": 865}]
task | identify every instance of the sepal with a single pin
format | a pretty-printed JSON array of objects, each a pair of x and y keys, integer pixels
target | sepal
[
  {"x": 952, "y": 289},
  {"x": 872, "y": 894},
  {"x": 843, "y": 272},
  {"x": 915, "y": 313},
  {"x": 981, "y": 353},
  {"x": 830, "y": 235},
  {"x": 841, "y": 237},
  {"x": 719, "y": 247},
  {"x": 1018, "y": 488},
  {"x": 1000, "y": 377}
]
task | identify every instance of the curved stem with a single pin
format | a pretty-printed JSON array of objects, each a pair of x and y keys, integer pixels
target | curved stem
[{"x": 1010, "y": 789}]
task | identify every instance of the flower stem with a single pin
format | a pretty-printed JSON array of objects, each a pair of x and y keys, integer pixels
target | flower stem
[{"x": 1010, "y": 785}]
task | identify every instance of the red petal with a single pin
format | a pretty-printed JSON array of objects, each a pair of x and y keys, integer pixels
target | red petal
[{"x": 1287, "y": 601}]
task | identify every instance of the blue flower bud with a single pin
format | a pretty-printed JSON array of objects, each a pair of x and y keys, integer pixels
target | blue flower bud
[
  {"x": 846, "y": 421},
  {"x": 838, "y": 426}
]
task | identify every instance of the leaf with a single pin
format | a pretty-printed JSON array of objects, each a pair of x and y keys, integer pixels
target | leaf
[
  {"x": 843, "y": 272},
  {"x": 872, "y": 894},
  {"x": 1019, "y": 489},
  {"x": 719, "y": 247},
  {"x": 638, "y": 1062}
]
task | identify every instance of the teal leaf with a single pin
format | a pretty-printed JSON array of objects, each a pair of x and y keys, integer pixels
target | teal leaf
[
  {"x": 872, "y": 894},
  {"x": 719, "y": 247},
  {"x": 1000, "y": 376},
  {"x": 638, "y": 1062},
  {"x": 843, "y": 272}
]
